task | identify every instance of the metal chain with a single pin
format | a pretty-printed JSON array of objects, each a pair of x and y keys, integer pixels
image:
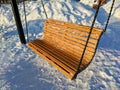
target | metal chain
[
  {"x": 44, "y": 9},
  {"x": 1, "y": 30},
  {"x": 109, "y": 16},
  {"x": 26, "y": 20},
  {"x": 92, "y": 26}
]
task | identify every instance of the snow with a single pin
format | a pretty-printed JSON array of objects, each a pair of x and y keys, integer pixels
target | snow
[{"x": 22, "y": 69}]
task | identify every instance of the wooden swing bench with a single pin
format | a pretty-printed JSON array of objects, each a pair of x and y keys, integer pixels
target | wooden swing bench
[{"x": 63, "y": 43}]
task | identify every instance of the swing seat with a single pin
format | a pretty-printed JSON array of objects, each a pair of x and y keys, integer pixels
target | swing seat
[{"x": 63, "y": 43}]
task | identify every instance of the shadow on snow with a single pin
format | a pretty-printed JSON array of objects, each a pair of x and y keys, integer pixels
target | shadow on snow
[{"x": 26, "y": 76}]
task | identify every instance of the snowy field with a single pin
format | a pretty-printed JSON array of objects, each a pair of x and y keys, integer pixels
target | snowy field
[{"x": 22, "y": 69}]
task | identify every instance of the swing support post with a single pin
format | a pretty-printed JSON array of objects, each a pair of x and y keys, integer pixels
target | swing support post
[{"x": 18, "y": 21}]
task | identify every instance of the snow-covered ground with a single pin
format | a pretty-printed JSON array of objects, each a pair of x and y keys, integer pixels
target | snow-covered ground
[{"x": 22, "y": 69}]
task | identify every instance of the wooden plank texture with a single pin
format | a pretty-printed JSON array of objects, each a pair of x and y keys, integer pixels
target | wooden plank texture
[{"x": 63, "y": 44}]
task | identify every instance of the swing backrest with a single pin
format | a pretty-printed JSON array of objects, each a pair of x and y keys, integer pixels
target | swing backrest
[{"x": 71, "y": 38}]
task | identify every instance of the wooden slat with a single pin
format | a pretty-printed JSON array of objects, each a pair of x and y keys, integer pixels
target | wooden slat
[
  {"x": 72, "y": 37},
  {"x": 73, "y": 52},
  {"x": 74, "y": 31},
  {"x": 43, "y": 55},
  {"x": 70, "y": 45},
  {"x": 48, "y": 55},
  {"x": 63, "y": 44},
  {"x": 62, "y": 35},
  {"x": 38, "y": 49},
  {"x": 75, "y": 34},
  {"x": 54, "y": 48},
  {"x": 91, "y": 49},
  {"x": 61, "y": 58},
  {"x": 77, "y": 27},
  {"x": 72, "y": 59}
]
